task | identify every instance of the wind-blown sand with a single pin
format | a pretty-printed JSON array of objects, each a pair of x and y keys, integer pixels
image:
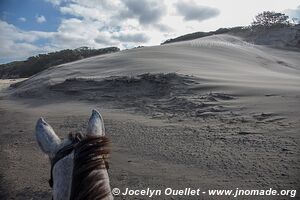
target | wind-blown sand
[{"x": 210, "y": 113}]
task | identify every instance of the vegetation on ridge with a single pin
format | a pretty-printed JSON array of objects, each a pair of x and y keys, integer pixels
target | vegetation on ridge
[
  {"x": 38, "y": 63},
  {"x": 263, "y": 23}
]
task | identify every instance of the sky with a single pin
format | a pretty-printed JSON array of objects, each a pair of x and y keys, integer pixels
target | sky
[{"x": 30, "y": 27}]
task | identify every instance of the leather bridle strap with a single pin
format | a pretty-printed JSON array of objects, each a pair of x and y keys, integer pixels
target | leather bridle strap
[
  {"x": 66, "y": 150},
  {"x": 58, "y": 156}
]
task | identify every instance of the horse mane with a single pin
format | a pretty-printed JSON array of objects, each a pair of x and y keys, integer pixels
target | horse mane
[{"x": 90, "y": 158}]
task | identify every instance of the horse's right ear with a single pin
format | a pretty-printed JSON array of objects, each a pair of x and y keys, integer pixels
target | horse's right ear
[
  {"x": 96, "y": 124},
  {"x": 46, "y": 137}
]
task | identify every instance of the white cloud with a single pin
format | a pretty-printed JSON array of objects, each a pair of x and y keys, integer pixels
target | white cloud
[
  {"x": 10, "y": 32},
  {"x": 146, "y": 12},
  {"x": 55, "y": 2},
  {"x": 192, "y": 11},
  {"x": 73, "y": 33},
  {"x": 18, "y": 44},
  {"x": 22, "y": 19},
  {"x": 82, "y": 11},
  {"x": 40, "y": 19}
]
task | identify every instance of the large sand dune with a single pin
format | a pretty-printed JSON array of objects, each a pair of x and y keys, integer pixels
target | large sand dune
[
  {"x": 215, "y": 112},
  {"x": 221, "y": 60},
  {"x": 192, "y": 77}
]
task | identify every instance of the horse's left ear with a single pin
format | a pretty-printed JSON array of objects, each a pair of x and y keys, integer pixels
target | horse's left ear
[
  {"x": 46, "y": 137},
  {"x": 96, "y": 124}
]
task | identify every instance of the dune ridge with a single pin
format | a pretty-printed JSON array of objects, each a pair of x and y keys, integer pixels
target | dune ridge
[{"x": 222, "y": 59}]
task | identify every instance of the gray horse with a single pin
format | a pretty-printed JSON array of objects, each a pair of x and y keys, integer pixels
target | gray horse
[{"x": 78, "y": 163}]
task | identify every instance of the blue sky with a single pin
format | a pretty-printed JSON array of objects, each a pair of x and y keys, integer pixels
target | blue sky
[
  {"x": 12, "y": 10},
  {"x": 30, "y": 27}
]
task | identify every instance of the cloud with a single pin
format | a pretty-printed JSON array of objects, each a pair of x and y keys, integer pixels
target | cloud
[
  {"x": 18, "y": 44},
  {"x": 10, "y": 32},
  {"x": 100, "y": 22},
  {"x": 104, "y": 39},
  {"x": 82, "y": 11},
  {"x": 22, "y": 19},
  {"x": 55, "y": 2},
  {"x": 74, "y": 33},
  {"x": 94, "y": 10},
  {"x": 103, "y": 5},
  {"x": 191, "y": 11},
  {"x": 293, "y": 13},
  {"x": 40, "y": 19},
  {"x": 135, "y": 37},
  {"x": 146, "y": 12},
  {"x": 117, "y": 13},
  {"x": 163, "y": 27}
]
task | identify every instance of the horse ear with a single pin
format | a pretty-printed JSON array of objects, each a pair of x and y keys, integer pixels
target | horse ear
[
  {"x": 96, "y": 124},
  {"x": 46, "y": 137}
]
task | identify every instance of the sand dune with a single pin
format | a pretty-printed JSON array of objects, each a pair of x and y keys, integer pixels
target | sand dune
[
  {"x": 221, "y": 59},
  {"x": 194, "y": 70}
]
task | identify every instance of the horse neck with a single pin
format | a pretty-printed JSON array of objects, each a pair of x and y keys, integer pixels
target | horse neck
[
  {"x": 63, "y": 181},
  {"x": 62, "y": 173},
  {"x": 90, "y": 177},
  {"x": 96, "y": 186}
]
